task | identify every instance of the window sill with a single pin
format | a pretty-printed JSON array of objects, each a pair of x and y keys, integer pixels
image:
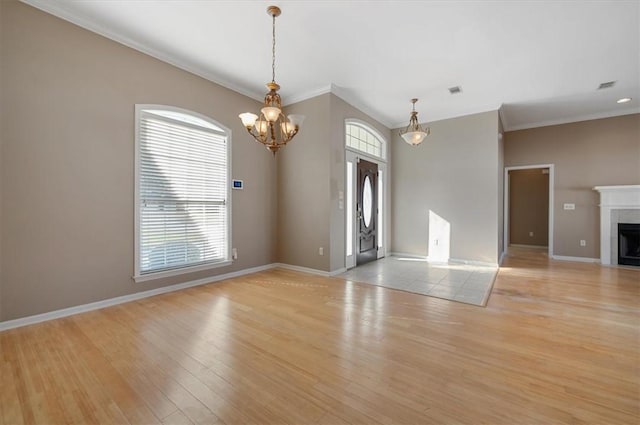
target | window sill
[{"x": 177, "y": 272}]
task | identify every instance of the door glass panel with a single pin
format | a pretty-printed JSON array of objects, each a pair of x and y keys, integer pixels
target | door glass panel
[{"x": 367, "y": 193}]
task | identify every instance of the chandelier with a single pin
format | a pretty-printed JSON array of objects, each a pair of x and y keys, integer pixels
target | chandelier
[
  {"x": 271, "y": 128},
  {"x": 414, "y": 134}
]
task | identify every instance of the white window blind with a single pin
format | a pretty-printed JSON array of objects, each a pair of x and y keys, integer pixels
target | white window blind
[{"x": 182, "y": 191}]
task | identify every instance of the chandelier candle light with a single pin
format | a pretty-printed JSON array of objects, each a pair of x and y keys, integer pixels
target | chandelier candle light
[
  {"x": 271, "y": 128},
  {"x": 414, "y": 134}
]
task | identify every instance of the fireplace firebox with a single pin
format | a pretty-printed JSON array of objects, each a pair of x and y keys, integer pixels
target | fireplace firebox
[{"x": 629, "y": 244}]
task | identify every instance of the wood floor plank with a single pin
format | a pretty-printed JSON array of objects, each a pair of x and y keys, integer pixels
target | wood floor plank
[
  {"x": 558, "y": 342},
  {"x": 177, "y": 418}
]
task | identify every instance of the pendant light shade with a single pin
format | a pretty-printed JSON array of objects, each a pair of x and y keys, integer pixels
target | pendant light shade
[{"x": 414, "y": 134}]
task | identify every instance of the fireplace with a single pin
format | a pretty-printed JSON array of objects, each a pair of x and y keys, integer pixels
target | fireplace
[
  {"x": 618, "y": 204},
  {"x": 629, "y": 244}
]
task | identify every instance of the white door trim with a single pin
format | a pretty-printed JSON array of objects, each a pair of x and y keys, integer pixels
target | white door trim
[
  {"x": 383, "y": 166},
  {"x": 354, "y": 155},
  {"x": 506, "y": 201}
]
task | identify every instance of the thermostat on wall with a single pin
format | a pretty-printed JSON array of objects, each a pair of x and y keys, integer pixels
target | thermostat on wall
[{"x": 238, "y": 184}]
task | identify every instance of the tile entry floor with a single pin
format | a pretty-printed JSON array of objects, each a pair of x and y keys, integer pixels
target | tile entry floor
[{"x": 465, "y": 283}]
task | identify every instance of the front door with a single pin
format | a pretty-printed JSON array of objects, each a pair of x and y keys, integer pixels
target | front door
[{"x": 367, "y": 212}]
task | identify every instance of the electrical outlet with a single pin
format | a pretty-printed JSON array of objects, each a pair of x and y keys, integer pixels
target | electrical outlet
[
  {"x": 436, "y": 242},
  {"x": 583, "y": 242},
  {"x": 234, "y": 253},
  {"x": 321, "y": 251},
  {"x": 531, "y": 234}
]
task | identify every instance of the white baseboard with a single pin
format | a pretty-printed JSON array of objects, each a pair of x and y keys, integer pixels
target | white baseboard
[
  {"x": 519, "y": 245},
  {"x": 404, "y": 254},
  {"x": 30, "y": 320},
  {"x": 436, "y": 260},
  {"x": 501, "y": 258},
  {"x": 338, "y": 271},
  {"x": 310, "y": 270},
  {"x": 578, "y": 259}
]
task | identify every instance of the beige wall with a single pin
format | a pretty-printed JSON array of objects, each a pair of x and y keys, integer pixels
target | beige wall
[
  {"x": 585, "y": 154},
  {"x": 311, "y": 173},
  {"x": 339, "y": 112},
  {"x": 68, "y": 161},
  {"x": 454, "y": 174},
  {"x": 303, "y": 189},
  {"x": 529, "y": 207}
]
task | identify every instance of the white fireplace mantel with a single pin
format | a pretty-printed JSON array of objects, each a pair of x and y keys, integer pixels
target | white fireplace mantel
[{"x": 614, "y": 198}]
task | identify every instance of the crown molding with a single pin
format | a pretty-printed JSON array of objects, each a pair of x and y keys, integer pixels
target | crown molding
[
  {"x": 503, "y": 117},
  {"x": 342, "y": 94},
  {"x": 600, "y": 115},
  {"x": 58, "y": 10},
  {"x": 472, "y": 111},
  {"x": 290, "y": 100}
]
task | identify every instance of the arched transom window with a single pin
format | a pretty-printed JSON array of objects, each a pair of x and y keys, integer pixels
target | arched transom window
[{"x": 361, "y": 137}]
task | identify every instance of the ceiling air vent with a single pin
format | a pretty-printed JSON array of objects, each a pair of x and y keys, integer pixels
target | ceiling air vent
[
  {"x": 455, "y": 90},
  {"x": 606, "y": 85}
]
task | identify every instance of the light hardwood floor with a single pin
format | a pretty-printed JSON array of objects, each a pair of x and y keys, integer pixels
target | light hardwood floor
[{"x": 557, "y": 343}]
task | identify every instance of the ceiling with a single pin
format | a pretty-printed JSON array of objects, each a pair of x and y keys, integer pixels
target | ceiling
[{"x": 542, "y": 61}]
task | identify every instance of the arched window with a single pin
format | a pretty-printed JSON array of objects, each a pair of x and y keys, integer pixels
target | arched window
[
  {"x": 182, "y": 192},
  {"x": 361, "y": 137}
]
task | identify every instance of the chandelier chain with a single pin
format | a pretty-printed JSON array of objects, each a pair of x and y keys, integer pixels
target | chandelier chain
[{"x": 273, "y": 51}]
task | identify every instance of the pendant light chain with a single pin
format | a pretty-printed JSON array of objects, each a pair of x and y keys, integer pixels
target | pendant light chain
[{"x": 273, "y": 52}]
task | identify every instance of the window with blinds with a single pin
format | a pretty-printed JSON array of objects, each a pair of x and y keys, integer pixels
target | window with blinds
[{"x": 182, "y": 191}]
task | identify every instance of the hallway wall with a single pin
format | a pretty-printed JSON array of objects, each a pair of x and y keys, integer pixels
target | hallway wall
[
  {"x": 529, "y": 207},
  {"x": 603, "y": 152}
]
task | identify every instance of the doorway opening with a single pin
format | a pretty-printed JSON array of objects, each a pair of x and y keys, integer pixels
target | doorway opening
[
  {"x": 528, "y": 206},
  {"x": 366, "y": 194}
]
